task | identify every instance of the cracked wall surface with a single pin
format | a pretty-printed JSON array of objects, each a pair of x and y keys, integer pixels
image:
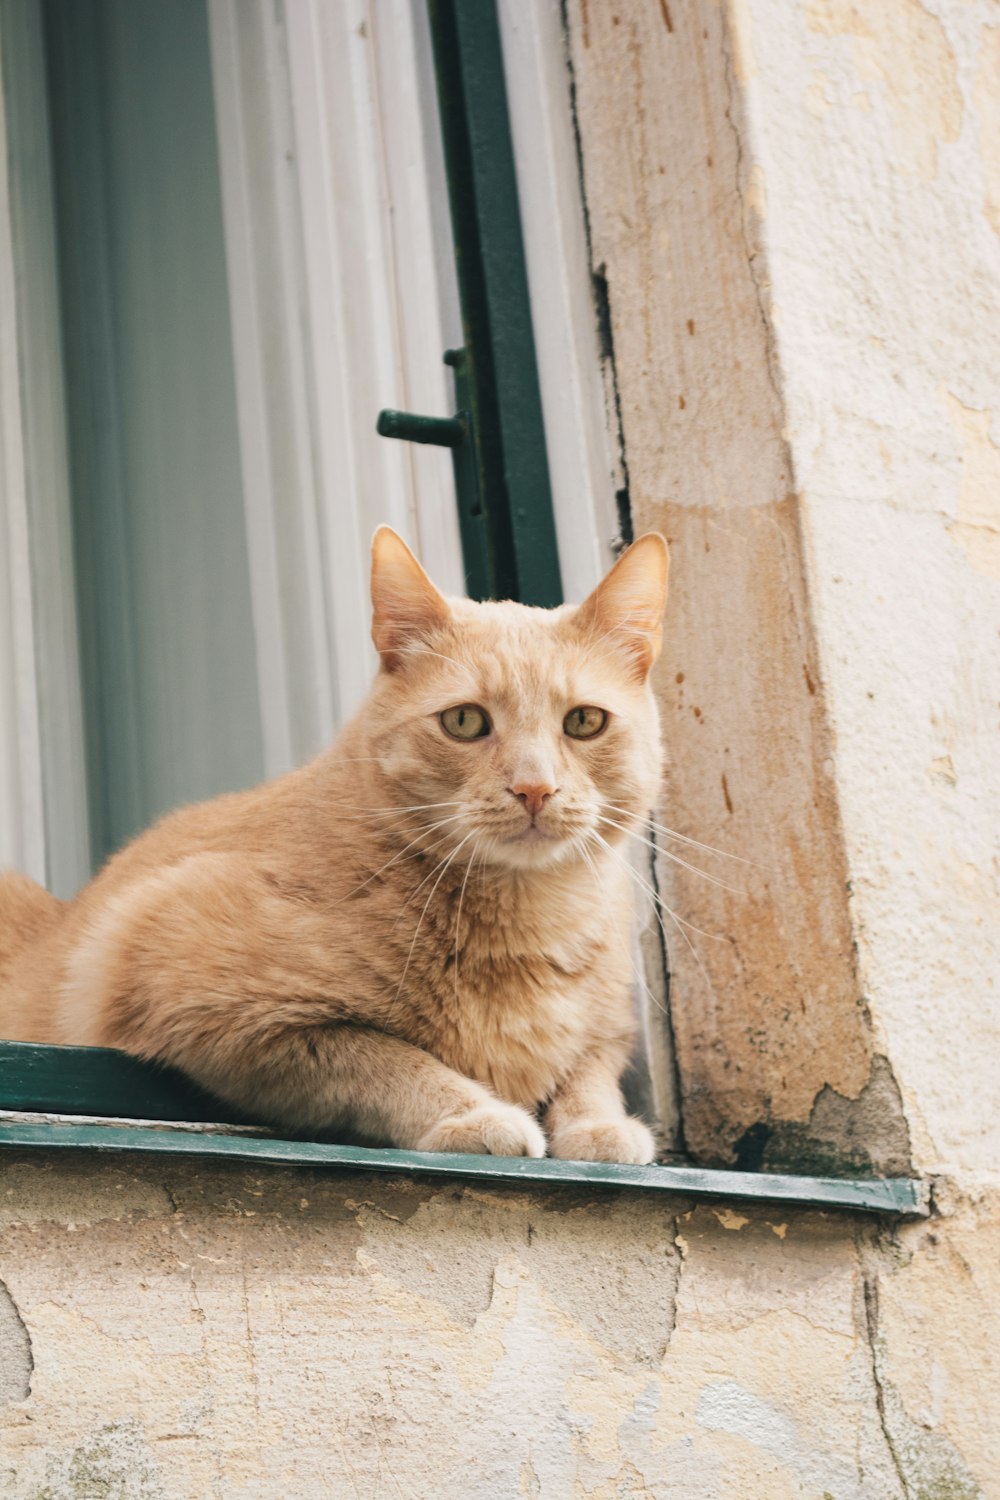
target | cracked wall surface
[
  {"x": 15, "y": 1352},
  {"x": 206, "y": 1333}
]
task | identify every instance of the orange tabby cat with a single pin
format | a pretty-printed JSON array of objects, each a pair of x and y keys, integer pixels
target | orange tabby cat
[{"x": 422, "y": 936}]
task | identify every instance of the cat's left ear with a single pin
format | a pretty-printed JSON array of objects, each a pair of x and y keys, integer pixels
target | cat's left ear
[
  {"x": 406, "y": 605},
  {"x": 626, "y": 608}
]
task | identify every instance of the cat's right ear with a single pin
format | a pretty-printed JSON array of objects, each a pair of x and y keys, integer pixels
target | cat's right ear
[
  {"x": 626, "y": 608},
  {"x": 406, "y": 606}
]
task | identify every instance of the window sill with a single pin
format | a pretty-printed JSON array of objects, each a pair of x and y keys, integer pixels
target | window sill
[{"x": 81, "y": 1082}]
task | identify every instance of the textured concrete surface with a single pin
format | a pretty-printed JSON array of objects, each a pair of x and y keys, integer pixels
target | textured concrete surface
[
  {"x": 767, "y": 999},
  {"x": 794, "y": 214},
  {"x": 198, "y": 1333},
  {"x": 884, "y": 262}
]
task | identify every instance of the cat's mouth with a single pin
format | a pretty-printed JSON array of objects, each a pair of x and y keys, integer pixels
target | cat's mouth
[
  {"x": 523, "y": 842},
  {"x": 534, "y": 835},
  {"x": 534, "y": 845}
]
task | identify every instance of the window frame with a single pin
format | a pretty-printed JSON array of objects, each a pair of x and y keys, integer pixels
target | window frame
[
  {"x": 82, "y": 1083},
  {"x": 93, "y": 1098}
]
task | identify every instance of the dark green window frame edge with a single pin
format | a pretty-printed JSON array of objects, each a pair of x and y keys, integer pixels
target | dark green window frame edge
[
  {"x": 84, "y": 1080},
  {"x": 505, "y": 506}
]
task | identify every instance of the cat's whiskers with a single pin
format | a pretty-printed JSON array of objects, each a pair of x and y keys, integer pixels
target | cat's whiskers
[
  {"x": 430, "y": 875},
  {"x": 585, "y": 853},
  {"x": 439, "y": 865},
  {"x": 659, "y": 921},
  {"x": 659, "y": 905},
  {"x": 426, "y": 651},
  {"x": 715, "y": 937},
  {"x": 444, "y": 868},
  {"x": 458, "y": 916},
  {"x": 414, "y": 807},
  {"x": 420, "y": 885},
  {"x": 363, "y": 812},
  {"x": 383, "y": 828},
  {"x": 683, "y": 838},
  {"x": 431, "y": 828},
  {"x": 669, "y": 854}
]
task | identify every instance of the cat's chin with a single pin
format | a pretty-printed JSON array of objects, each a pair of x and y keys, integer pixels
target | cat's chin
[{"x": 534, "y": 850}]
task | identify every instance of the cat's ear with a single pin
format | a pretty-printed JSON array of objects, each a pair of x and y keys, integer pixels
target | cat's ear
[
  {"x": 405, "y": 604},
  {"x": 625, "y": 611}
]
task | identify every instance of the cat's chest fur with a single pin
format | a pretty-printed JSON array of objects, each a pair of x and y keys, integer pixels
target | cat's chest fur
[{"x": 508, "y": 990}]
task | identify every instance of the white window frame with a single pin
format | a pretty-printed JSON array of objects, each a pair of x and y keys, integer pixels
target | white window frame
[{"x": 343, "y": 301}]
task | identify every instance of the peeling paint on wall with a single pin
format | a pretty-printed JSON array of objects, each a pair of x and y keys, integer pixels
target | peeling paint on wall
[
  {"x": 988, "y": 111},
  {"x": 865, "y": 1132},
  {"x": 903, "y": 47},
  {"x": 300, "y": 1333},
  {"x": 16, "y": 1363},
  {"x": 977, "y": 528}
]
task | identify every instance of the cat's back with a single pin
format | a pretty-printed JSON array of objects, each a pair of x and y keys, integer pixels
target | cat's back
[
  {"x": 284, "y": 821},
  {"x": 28, "y": 916},
  {"x": 272, "y": 822}
]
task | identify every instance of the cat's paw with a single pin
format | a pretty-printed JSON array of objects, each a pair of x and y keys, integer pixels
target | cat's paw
[
  {"x": 627, "y": 1141},
  {"x": 493, "y": 1129}
]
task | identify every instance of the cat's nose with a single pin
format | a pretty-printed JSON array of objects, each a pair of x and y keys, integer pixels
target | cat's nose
[{"x": 534, "y": 794}]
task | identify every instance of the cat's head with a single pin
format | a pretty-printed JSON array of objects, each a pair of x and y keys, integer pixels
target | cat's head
[{"x": 522, "y": 735}]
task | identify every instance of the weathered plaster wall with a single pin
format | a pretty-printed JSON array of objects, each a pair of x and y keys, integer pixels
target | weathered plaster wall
[
  {"x": 175, "y": 1333},
  {"x": 767, "y": 1008},
  {"x": 873, "y": 135},
  {"x": 794, "y": 208}
]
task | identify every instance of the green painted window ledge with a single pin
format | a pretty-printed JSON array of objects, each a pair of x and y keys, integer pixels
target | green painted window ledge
[{"x": 95, "y": 1081}]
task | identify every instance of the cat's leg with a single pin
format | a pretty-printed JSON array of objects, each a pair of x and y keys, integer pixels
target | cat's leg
[
  {"x": 586, "y": 1119},
  {"x": 355, "y": 1077},
  {"x": 209, "y": 967}
]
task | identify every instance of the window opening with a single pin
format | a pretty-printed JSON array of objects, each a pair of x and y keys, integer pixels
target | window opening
[{"x": 505, "y": 509}]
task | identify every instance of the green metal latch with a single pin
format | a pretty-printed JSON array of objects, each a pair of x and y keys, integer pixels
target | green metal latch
[
  {"x": 501, "y": 469},
  {"x": 458, "y": 434},
  {"x": 443, "y": 432}
]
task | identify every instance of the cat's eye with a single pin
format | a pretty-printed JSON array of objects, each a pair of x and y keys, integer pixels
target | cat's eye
[
  {"x": 466, "y": 722},
  {"x": 585, "y": 722}
]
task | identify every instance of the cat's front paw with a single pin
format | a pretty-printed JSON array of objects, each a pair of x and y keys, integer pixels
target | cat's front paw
[
  {"x": 491, "y": 1130},
  {"x": 627, "y": 1141}
]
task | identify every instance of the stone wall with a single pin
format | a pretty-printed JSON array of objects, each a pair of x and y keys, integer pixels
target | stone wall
[{"x": 186, "y": 1333}]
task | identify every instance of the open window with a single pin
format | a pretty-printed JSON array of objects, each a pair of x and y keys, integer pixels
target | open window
[{"x": 194, "y": 423}]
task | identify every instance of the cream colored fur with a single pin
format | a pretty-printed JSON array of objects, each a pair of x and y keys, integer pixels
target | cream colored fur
[{"x": 415, "y": 939}]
